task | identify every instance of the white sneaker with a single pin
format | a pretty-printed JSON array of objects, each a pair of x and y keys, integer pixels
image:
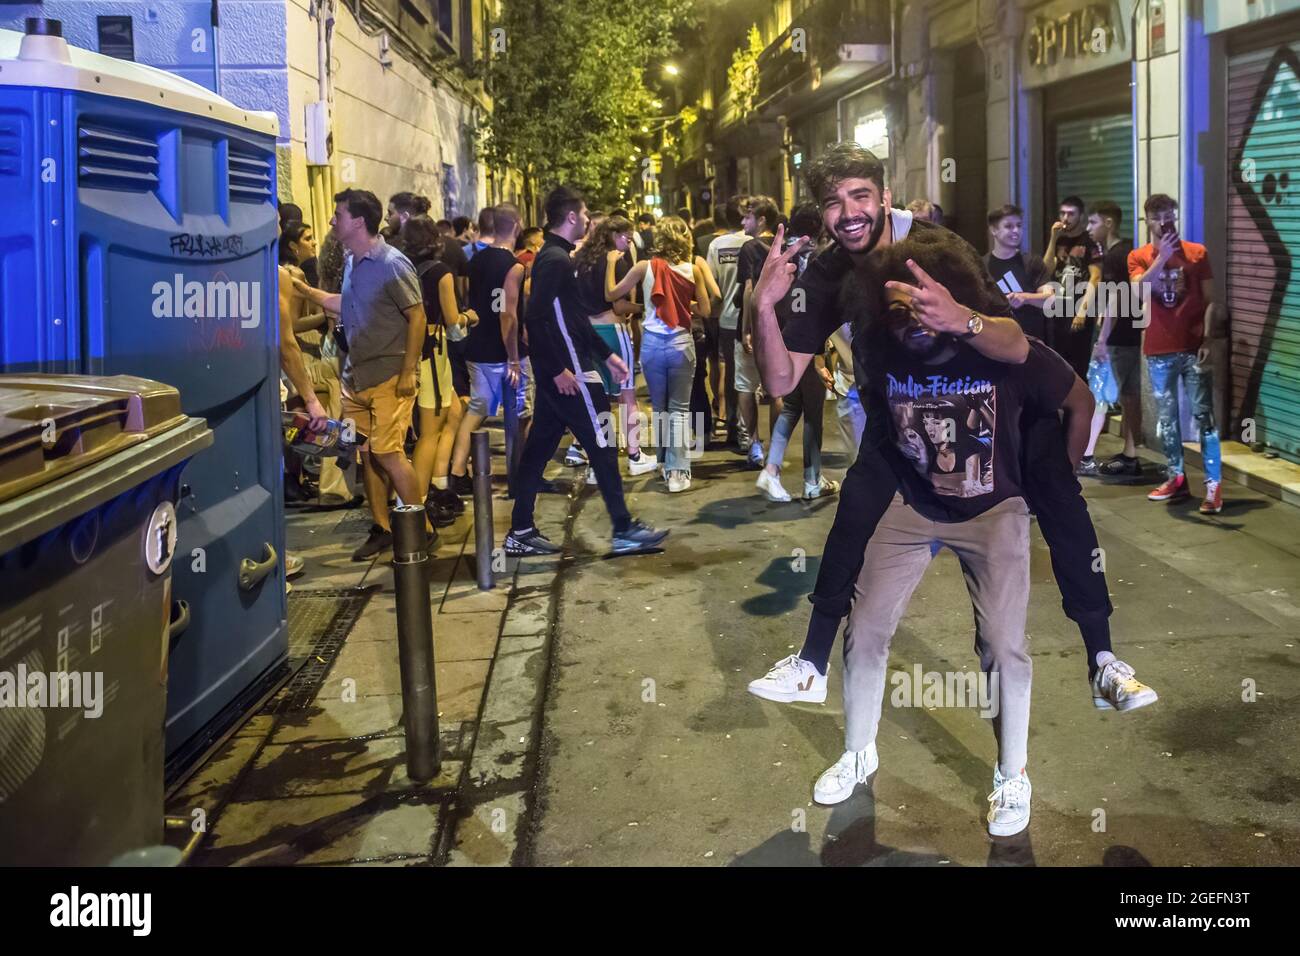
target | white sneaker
[
  {"x": 575, "y": 456},
  {"x": 591, "y": 475},
  {"x": 823, "y": 489},
  {"x": 1009, "y": 804},
  {"x": 678, "y": 481},
  {"x": 1115, "y": 687},
  {"x": 789, "y": 680},
  {"x": 643, "y": 465},
  {"x": 836, "y": 784},
  {"x": 771, "y": 486}
]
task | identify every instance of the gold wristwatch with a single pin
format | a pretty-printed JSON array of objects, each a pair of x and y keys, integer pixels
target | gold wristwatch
[{"x": 974, "y": 325}]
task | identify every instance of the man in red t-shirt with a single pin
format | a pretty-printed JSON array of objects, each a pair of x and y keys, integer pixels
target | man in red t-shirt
[{"x": 1181, "y": 288}]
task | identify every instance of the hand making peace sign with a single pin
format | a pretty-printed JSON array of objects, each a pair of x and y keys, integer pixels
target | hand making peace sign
[
  {"x": 779, "y": 270},
  {"x": 932, "y": 304}
]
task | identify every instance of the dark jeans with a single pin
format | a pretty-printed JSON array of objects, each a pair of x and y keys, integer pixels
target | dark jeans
[
  {"x": 582, "y": 414},
  {"x": 1053, "y": 494},
  {"x": 727, "y": 350},
  {"x": 701, "y": 411}
]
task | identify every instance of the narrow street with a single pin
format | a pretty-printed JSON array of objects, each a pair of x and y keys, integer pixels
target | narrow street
[{"x": 655, "y": 752}]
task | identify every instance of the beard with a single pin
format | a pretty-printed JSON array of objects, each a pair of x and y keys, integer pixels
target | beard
[
  {"x": 875, "y": 228},
  {"x": 925, "y": 346}
]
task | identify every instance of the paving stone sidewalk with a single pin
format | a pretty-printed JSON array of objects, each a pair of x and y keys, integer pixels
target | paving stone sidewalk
[{"x": 325, "y": 783}]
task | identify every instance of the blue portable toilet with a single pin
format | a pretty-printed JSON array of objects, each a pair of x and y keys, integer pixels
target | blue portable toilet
[{"x": 139, "y": 237}]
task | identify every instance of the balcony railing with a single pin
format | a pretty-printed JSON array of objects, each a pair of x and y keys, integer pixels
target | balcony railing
[{"x": 825, "y": 36}]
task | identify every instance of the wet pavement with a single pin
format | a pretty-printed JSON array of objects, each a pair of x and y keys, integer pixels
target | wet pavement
[
  {"x": 326, "y": 783},
  {"x": 654, "y": 753}
]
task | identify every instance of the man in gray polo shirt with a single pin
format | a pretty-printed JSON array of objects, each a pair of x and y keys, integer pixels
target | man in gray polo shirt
[{"x": 383, "y": 318}]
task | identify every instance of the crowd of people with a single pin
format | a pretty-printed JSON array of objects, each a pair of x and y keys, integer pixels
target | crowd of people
[{"x": 971, "y": 390}]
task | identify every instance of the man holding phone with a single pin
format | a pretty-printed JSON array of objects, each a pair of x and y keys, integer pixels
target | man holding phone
[{"x": 1182, "y": 306}]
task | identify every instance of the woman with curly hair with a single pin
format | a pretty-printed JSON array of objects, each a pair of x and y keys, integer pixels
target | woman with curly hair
[
  {"x": 612, "y": 321},
  {"x": 679, "y": 293}
]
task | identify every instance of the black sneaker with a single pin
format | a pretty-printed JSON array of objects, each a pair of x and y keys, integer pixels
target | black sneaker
[
  {"x": 378, "y": 540},
  {"x": 637, "y": 537},
  {"x": 439, "y": 515},
  {"x": 1087, "y": 467},
  {"x": 449, "y": 500},
  {"x": 531, "y": 542},
  {"x": 461, "y": 484},
  {"x": 1121, "y": 466}
]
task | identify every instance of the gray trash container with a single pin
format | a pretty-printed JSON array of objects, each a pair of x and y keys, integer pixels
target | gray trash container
[{"x": 89, "y": 480}]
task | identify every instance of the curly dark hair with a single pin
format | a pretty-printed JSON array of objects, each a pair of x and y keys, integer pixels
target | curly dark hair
[
  {"x": 948, "y": 259},
  {"x": 421, "y": 239},
  {"x": 600, "y": 243},
  {"x": 841, "y": 161}
]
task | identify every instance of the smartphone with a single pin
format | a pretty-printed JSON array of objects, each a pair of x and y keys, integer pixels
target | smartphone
[{"x": 1166, "y": 229}]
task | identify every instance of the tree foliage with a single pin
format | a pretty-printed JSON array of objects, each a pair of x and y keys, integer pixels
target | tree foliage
[
  {"x": 742, "y": 75},
  {"x": 569, "y": 93}
]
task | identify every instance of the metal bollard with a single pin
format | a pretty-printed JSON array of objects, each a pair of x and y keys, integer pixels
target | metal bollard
[
  {"x": 415, "y": 642},
  {"x": 483, "y": 531}
]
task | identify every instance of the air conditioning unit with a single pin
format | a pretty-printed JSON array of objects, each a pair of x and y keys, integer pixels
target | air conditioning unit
[{"x": 318, "y": 132}]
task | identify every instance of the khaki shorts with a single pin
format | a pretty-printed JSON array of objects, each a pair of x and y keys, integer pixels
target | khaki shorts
[{"x": 380, "y": 415}]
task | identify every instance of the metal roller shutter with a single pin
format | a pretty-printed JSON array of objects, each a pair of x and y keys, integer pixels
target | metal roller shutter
[
  {"x": 1094, "y": 161},
  {"x": 1263, "y": 281}
]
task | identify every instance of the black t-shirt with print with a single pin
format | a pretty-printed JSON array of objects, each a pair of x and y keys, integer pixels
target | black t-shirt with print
[
  {"x": 1022, "y": 273},
  {"x": 1074, "y": 254},
  {"x": 1114, "y": 271},
  {"x": 749, "y": 265},
  {"x": 820, "y": 301},
  {"x": 951, "y": 430}
]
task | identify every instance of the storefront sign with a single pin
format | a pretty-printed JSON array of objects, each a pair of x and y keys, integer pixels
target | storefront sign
[{"x": 1066, "y": 39}]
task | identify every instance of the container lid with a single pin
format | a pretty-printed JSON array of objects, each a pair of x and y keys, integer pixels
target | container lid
[
  {"x": 44, "y": 60},
  {"x": 53, "y": 425}
]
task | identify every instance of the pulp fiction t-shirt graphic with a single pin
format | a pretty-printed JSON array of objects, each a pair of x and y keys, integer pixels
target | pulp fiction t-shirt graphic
[{"x": 945, "y": 427}]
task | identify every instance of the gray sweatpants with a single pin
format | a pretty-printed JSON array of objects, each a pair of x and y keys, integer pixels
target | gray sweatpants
[{"x": 994, "y": 553}]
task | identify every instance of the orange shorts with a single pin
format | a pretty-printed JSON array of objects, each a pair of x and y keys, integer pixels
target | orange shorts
[{"x": 380, "y": 415}]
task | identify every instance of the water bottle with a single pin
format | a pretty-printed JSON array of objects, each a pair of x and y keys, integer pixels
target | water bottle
[{"x": 338, "y": 439}]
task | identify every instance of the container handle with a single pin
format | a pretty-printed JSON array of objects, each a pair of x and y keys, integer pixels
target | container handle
[
  {"x": 252, "y": 572},
  {"x": 180, "y": 619}
]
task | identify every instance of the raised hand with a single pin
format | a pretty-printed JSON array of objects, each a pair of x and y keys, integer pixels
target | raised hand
[
  {"x": 932, "y": 304},
  {"x": 779, "y": 270}
]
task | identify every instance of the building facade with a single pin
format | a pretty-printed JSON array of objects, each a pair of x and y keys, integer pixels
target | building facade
[{"x": 400, "y": 80}]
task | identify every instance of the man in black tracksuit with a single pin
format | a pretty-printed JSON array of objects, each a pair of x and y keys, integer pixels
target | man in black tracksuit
[{"x": 564, "y": 349}]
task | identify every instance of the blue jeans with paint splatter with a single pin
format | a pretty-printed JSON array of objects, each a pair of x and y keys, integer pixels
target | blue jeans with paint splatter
[{"x": 1165, "y": 371}]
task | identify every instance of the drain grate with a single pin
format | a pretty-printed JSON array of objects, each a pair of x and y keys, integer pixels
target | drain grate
[{"x": 319, "y": 624}]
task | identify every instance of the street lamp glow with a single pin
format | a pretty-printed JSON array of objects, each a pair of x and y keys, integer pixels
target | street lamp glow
[
  {"x": 645, "y": 129},
  {"x": 657, "y": 104},
  {"x": 671, "y": 69}
]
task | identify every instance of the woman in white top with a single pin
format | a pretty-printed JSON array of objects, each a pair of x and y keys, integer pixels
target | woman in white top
[{"x": 679, "y": 292}]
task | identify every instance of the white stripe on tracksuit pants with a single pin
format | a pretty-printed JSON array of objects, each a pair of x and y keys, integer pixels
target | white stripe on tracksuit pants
[{"x": 581, "y": 414}]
